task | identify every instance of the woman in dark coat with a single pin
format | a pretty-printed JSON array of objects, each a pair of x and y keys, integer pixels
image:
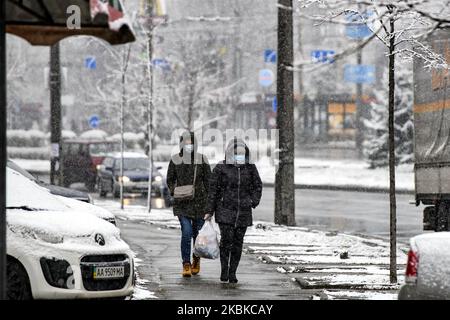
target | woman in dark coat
[
  {"x": 190, "y": 212},
  {"x": 235, "y": 189}
]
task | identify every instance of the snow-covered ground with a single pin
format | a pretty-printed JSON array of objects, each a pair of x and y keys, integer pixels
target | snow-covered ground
[
  {"x": 342, "y": 265},
  {"x": 140, "y": 291},
  {"x": 336, "y": 173},
  {"x": 353, "y": 173}
]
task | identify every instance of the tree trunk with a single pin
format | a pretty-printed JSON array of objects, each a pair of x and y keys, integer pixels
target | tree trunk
[
  {"x": 359, "y": 123},
  {"x": 190, "y": 119},
  {"x": 393, "y": 205},
  {"x": 284, "y": 177}
]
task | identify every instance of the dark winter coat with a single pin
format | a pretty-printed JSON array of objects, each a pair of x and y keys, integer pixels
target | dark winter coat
[
  {"x": 234, "y": 189},
  {"x": 181, "y": 173}
]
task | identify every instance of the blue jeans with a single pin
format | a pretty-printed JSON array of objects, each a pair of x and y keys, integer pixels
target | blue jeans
[{"x": 189, "y": 231}]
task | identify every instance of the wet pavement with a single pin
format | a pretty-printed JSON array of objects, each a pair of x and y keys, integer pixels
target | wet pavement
[{"x": 159, "y": 263}]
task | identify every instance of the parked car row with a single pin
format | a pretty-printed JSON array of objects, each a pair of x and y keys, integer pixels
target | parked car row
[
  {"x": 135, "y": 176},
  {"x": 97, "y": 164},
  {"x": 60, "y": 247}
]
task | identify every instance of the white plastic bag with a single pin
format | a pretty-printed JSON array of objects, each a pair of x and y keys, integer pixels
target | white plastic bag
[{"x": 207, "y": 243}]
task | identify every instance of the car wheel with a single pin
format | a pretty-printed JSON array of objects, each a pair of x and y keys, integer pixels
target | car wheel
[
  {"x": 18, "y": 287},
  {"x": 102, "y": 193},
  {"x": 442, "y": 216},
  {"x": 115, "y": 191}
]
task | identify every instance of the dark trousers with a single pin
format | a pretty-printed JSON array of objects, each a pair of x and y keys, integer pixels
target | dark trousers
[
  {"x": 189, "y": 231},
  {"x": 231, "y": 241}
]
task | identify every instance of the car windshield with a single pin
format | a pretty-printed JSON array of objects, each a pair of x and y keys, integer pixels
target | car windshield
[
  {"x": 133, "y": 164},
  {"x": 103, "y": 148},
  {"x": 23, "y": 172}
]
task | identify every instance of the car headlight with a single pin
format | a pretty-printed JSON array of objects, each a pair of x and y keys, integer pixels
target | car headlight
[
  {"x": 29, "y": 233},
  {"x": 124, "y": 179},
  {"x": 158, "y": 179},
  {"x": 47, "y": 237},
  {"x": 58, "y": 273}
]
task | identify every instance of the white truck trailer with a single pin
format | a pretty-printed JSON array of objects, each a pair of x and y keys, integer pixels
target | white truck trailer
[{"x": 432, "y": 136}]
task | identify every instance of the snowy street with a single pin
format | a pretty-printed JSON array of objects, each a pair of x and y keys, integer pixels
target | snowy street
[
  {"x": 224, "y": 150},
  {"x": 290, "y": 262}
]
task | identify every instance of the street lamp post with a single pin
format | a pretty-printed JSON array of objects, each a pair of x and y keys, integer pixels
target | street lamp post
[
  {"x": 55, "y": 114},
  {"x": 150, "y": 113},
  {"x": 2, "y": 151}
]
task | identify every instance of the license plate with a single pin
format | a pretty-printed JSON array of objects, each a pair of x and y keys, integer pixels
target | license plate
[
  {"x": 141, "y": 185},
  {"x": 109, "y": 272}
]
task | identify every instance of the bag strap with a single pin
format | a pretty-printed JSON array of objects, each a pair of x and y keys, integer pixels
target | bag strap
[{"x": 195, "y": 174}]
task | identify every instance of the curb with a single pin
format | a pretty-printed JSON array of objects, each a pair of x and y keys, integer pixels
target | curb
[{"x": 349, "y": 188}]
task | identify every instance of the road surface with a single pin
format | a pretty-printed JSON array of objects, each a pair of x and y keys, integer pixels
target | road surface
[{"x": 159, "y": 271}]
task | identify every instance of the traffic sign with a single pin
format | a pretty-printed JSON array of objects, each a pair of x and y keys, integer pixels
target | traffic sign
[
  {"x": 322, "y": 56},
  {"x": 266, "y": 77},
  {"x": 163, "y": 64},
  {"x": 94, "y": 121},
  {"x": 90, "y": 63},
  {"x": 270, "y": 56},
  {"x": 274, "y": 104},
  {"x": 359, "y": 73},
  {"x": 356, "y": 27}
]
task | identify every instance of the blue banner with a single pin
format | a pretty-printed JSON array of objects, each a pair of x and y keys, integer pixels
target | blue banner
[{"x": 359, "y": 73}]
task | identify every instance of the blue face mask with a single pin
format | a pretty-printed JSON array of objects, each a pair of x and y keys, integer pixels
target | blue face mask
[
  {"x": 239, "y": 158},
  {"x": 189, "y": 148}
]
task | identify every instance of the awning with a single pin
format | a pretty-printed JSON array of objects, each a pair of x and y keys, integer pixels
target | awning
[{"x": 45, "y": 22}]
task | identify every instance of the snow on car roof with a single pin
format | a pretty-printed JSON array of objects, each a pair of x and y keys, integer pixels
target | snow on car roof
[
  {"x": 22, "y": 192},
  {"x": 86, "y": 207},
  {"x": 52, "y": 215},
  {"x": 128, "y": 155},
  {"x": 433, "y": 240}
]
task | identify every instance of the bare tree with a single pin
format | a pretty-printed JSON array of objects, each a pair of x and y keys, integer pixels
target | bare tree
[
  {"x": 402, "y": 26},
  {"x": 196, "y": 76}
]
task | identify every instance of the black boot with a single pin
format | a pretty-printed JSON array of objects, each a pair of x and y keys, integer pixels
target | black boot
[
  {"x": 234, "y": 262},
  {"x": 235, "y": 253},
  {"x": 232, "y": 273},
  {"x": 224, "y": 263}
]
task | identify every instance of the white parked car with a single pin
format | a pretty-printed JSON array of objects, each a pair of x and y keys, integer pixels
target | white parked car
[
  {"x": 428, "y": 268},
  {"x": 77, "y": 205},
  {"x": 71, "y": 202},
  {"x": 57, "y": 253}
]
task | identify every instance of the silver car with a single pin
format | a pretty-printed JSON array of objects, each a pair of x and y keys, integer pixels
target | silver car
[{"x": 428, "y": 268}]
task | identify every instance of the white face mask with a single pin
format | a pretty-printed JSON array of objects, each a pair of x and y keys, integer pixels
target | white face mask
[
  {"x": 189, "y": 148},
  {"x": 239, "y": 158}
]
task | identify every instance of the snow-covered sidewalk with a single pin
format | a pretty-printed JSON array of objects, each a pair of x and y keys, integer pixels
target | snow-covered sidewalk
[
  {"x": 341, "y": 265},
  {"x": 341, "y": 173}
]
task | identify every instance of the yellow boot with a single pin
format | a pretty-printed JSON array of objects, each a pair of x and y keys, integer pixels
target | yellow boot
[
  {"x": 187, "y": 272},
  {"x": 195, "y": 265}
]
